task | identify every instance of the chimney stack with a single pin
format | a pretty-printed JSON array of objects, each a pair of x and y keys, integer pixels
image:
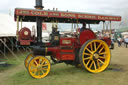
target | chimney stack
[{"x": 39, "y": 5}]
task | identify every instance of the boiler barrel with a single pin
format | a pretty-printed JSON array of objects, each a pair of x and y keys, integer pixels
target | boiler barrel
[{"x": 41, "y": 51}]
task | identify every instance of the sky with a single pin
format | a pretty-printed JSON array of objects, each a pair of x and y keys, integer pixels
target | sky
[
  {"x": 111, "y": 7},
  {"x": 115, "y": 7}
]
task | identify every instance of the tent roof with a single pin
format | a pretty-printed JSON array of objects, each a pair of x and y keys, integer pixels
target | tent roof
[{"x": 7, "y": 25}]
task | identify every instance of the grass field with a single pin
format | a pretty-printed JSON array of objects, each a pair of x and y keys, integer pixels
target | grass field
[{"x": 62, "y": 74}]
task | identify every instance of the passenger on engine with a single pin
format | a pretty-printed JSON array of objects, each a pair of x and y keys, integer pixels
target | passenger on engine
[{"x": 83, "y": 27}]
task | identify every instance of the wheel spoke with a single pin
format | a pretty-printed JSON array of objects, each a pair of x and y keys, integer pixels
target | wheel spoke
[
  {"x": 33, "y": 70},
  {"x": 102, "y": 53},
  {"x": 42, "y": 71},
  {"x": 88, "y": 62},
  {"x": 98, "y": 46},
  {"x": 39, "y": 61},
  {"x": 89, "y": 50},
  {"x": 33, "y": 65},
  {"x": 87, "y": 58},
  {"x": 101, "y": 49},
  {"x": 44, "y": 68},
  {"x": 43, "y": 61},
  {"x": 91, "y": 64},
  {"x": 98, "y": 64},
  {"x": 95, "y": 46},
  {"x": 95, "y": 65},
  {"x": 45, "y": 65},
  {"x": 87, "y": 54},
  {"x": 38, "y": 72},
  {"x": 36, "y": 62},
  {"x": 101, "y": 61},
  {"x": 102, "y": 57},
  {"x": 91, "y": 47}
]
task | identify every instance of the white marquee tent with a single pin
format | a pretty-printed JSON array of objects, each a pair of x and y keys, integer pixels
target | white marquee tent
[{"x": 7, "y": 25}]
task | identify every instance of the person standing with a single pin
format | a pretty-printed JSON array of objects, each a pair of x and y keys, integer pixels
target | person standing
[
  {"x": 119, "y": 41},
  {"x": 126, "y": 41}
]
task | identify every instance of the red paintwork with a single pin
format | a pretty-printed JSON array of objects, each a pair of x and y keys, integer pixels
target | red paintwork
[
  {"x": 25, "y": 39},
  {"x": 72, "y": 39},
  {"x": 26, "y": 42},
  {"x": 86, "y": 35},
  {"x": 107, "y": 40},
  {"x": 64, "y": 54},
  {"x": 22, "y": 33},
  {"x": 61, "y": 14}
]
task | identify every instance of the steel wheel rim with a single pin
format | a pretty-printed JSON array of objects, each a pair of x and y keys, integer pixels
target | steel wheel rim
[
  {"x": 39, "y": 67},
  {"x": 27, "y": 59},
  {"x": 96, "y": 56}
]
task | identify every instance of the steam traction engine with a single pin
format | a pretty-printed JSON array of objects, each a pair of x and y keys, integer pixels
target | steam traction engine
[{"x": 83, "y": 49}]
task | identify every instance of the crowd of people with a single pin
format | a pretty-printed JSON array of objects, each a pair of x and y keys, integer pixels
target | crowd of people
[{"x": 121, "y": 41}]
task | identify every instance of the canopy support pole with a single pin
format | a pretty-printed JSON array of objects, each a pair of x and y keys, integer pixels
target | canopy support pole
[
  {"x": 21, "y": 22},
  {"x": 110, "y": 28},
  {"x": 17, "y": 34},
  {"x": 103, "y": 26}
]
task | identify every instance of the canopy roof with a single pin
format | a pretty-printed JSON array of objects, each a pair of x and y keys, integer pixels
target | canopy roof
[{"x": 62, "y": 17}]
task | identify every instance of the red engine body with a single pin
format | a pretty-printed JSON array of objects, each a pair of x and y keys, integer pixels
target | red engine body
[
  {"x": 86, "y": 35},
  {"x": 68, "y": 45},
  {"x": 66, "y": 50}
]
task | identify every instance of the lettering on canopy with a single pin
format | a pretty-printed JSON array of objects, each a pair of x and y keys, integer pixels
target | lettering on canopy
[{"x": 57, "y": 14}]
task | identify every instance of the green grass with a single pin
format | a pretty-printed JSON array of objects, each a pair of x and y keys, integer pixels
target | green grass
[
  {"x": 12, "y": 61},
  {"x": 62, "y": 74}
]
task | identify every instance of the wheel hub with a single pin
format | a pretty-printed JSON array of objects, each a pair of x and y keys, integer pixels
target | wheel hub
[
  {"x": 39, "y": 67},
  {"x": 96, "y": 56}
]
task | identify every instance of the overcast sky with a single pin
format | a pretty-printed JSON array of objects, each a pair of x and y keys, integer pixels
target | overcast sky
[
  {"x": 93, "y": 6},
  {"x": 114, "y": 7}
]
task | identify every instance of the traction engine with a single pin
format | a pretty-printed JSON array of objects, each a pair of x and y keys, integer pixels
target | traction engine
[{"x": 83, "y": 49}]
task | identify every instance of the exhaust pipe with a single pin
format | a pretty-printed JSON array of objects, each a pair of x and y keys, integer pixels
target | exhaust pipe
[
  {"x": 39, "y": 22},
  {"x": 39, "y": 5}
]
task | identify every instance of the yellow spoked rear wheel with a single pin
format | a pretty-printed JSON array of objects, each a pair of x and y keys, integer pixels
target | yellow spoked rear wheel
[
  {"x": 27, "y": 59},
  {"x": 39, "y": 67},
  {"x": 95, "y": 56}
]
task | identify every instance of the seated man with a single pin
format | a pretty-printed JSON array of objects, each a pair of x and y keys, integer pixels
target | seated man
[
  {"x": 83, "y": 27},
  {"x": 54, "y": 36}
]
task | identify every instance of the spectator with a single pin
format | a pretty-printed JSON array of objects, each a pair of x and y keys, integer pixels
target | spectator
[
  {"x": 119, "y": 41},
  {"x": 126, "y": 41}
]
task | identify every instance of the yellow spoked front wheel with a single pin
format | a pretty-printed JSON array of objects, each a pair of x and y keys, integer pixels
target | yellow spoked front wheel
[
  {"x": 95, "y": 56},
  {"x": 39, "y": 67},
  {"x": 27, "y": 59}
]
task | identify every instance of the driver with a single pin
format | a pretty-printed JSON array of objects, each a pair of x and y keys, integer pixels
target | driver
[{"x": 83, "y": 27}]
